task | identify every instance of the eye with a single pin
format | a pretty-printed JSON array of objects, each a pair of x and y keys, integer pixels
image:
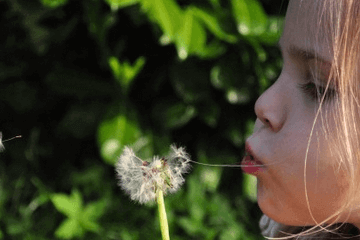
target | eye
[{"x": 316, "y": 92}]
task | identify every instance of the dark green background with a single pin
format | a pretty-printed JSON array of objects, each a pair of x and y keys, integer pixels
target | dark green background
[{"x": 82, "y": 79}]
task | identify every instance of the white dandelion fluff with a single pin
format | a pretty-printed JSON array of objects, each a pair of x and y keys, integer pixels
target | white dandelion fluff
[
  {"x": 2, "y": 148},
  {"x": 141, "y": 179}
]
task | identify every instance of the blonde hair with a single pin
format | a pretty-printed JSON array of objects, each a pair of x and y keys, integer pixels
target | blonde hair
[{"x": 341, "y": 22}]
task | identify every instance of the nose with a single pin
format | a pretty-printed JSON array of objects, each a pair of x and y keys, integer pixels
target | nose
[{"x": 270, "y": 107}]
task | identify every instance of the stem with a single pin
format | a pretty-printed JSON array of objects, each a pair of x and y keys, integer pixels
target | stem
[{"x": 162, "y": 213}]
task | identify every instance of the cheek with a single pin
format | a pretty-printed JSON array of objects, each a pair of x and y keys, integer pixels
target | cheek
[{"x": 282, "y": 193}]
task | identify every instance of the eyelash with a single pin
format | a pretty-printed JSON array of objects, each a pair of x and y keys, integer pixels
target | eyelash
[{"x": 316, "y": 92}]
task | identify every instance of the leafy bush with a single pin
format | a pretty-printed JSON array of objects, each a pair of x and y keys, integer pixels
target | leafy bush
[{"x": 82, "y": 79}]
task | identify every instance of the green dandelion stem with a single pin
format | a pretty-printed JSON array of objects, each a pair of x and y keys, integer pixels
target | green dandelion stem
[{"x": 162, "y": 213}]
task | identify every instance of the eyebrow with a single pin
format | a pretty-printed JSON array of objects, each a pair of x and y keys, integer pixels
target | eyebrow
[{"x": 304, "y": 54}]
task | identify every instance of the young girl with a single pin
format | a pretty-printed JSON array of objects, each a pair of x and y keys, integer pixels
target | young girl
[{"x": 305, "y": 149}]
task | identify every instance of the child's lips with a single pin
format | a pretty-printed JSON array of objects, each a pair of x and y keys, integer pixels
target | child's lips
[
  {"x": 252, "y": 166},
  {"x": 250, "y": 163}
]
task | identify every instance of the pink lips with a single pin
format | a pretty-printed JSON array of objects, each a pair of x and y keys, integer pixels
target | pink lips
[{"x": 250, "y": 164}]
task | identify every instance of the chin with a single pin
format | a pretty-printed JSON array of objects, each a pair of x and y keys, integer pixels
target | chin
[{"x": 278, "y": 211}]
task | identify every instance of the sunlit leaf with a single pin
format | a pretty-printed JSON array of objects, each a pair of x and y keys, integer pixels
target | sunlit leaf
[
  {"x": 273, "y": 31},
  {"x": 71, "y": 205},
  {"x": 191, "y": 37},
  {"x": 249, "y": 186},
  {"x": 124, "y": 72},
  {"x": 238, "y": 96},
  {"x": 15, "y": 227},
  {"x": 167, "y": 13},
  {"x": 116, "y": 132},
  {"x": 54, "y": 3},
  {"x": 261, "y": 53},
  {"x": 212, "y": 24},
  {"x": 211, "y": 178},
  {"x": 131, "y": 71},
  {"x": 95, "y": 210},
  {"x": 69, "y": 229},
  {"x": 233, "y": 232},
  {"x": 116, "y": 4},
  {"x": 212, "y": 50},
  {"x": 119, "y": 129},
  {"x": 189, "y": 225},
  {"x": 196, "y": 195},
  {"x": 250, "y": 16},
  {"x": 90, "y": 225},
  {"x": 215, "y": 3}
]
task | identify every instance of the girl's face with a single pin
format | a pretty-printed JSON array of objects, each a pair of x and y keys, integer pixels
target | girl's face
[{"x": 285, "y": 118}]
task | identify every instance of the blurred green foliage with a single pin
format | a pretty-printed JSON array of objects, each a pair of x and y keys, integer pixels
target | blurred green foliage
[{"x": 82, "y": 79}]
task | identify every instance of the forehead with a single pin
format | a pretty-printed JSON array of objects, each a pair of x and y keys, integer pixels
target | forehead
[{"x": 306, "y": 28}]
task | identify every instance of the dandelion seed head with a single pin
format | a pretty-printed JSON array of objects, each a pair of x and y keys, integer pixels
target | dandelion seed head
[{"x": 141, "y": 179}]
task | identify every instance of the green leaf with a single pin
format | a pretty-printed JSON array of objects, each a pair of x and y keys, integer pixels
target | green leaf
[
  {"x": 189, "y": 225},
  {"x": 15, "y": 226},
  {"x": 125, "y": 73},
  {"x": 71, "y": 206},
  {"x": 211, "y": 177},
  {"x": 262, "y": 55},
  {"x": 130, "y": 72},
  {"x": 53, "y": 3},
  {"x": 215, "y": 4},
  {"x": 116, "y": 4},
  {"x": 69, "y": 228},
  {"x": 80, "y": 219},
  {"x": 212, "y": 50},
  {"x": 167, "y": 13},
  {"x": 99, "y": 24},
  {"x": 233, "y": 232},
  {"x": 192, "y": 36},
  {"x": 212, "y": 23},
  {"x": 175, "y": 115},
  {"x": 250, "y": 17},
  {"x": 196, "y": 195},
  {"x": 238, "y": 96},
  {"x": 90, "y": 225},
  {"x": 119, "y": 129},
  {"x": 273, "y": 31},
  {"x": 95, "y": 210},
  {"x": 249, "y": 187}
]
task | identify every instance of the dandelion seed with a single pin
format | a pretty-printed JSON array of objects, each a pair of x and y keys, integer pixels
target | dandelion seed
[
  {"x": 2, "y": 148},
  {"x": 141, "y": 179}
]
